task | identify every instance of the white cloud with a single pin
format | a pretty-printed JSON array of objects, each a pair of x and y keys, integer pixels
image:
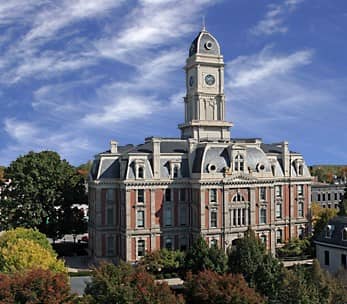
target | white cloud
[
  {"x": 247, "y": 70},
  {"x": 273, "y": 21},
  {"x": 61, "y": 14},
  {"x": 151, "y": 24},
  {"x": 20, "y": 131}
]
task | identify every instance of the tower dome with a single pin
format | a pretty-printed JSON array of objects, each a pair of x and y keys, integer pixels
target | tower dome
[{"x": 204, "y": 43}]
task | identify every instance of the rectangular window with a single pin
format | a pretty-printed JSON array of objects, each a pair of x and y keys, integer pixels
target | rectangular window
[
  {"x": 263, "y": 216},
  {"x": 213, "y": 218},
  {"x": 239, "y": 217},
  {"x": 182, "y": 195},
  {"x": 278, "y": 236},
  {"x": 244, "y": 216},
  {"x": 110, "y": 245},
  {"x": 110, "y": 216},
  {"x": 140, "y": 248},
  {"x": 262, "y": 193},
  {"x": 214, "y": 243},
  {"x": 278, "y": 191},
  {"x": 140, "y": 219},
  {"x": 343, "y": 261},
  {"x": 140, "y": 195},
  {"x": 300, "y": 190},
  {"x": 168, "y": 195},
  {"x": 234, "y": 217},
  {"x": 300, "y": 209},
  {"x": 213, "y": 195},
  {"x": 326, "y": 258},
  {"x": 335, "y": 196},
  {"x": 329, "y": 196},
  {"x": 110, "y": 194},
  {"x": 278, "y": 211},
  {"x": 183, "y": 215},
  {"x": 168, "y": 216}
]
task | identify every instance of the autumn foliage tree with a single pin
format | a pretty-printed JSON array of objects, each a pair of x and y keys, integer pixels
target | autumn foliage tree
[
  {"x": 22, "y": 249},
  {"x": 35, "y": 286},
  {"x": 209, "y": 287}
]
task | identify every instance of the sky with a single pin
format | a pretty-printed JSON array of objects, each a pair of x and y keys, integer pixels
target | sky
[{"x": 76, "y": 74}]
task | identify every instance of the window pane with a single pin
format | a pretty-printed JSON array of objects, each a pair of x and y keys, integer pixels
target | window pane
[
  {"x": 182, "y": 195},
  {"x": 110, "y": 245},
  {"x": 110, "y": 216},
  {"x": 140, "y": 218},
  {"x": 140, "y": 248},
  {"x": 213, "y": 195},
  {"x": 326, "y": 258},
  {"x": 262, "y": 216},
  {"x": 278, "y": 211},
  {"x": 141, "y": 172},
  {"x": 213, "y": 218},
  {"x": 183, "y": 215},
  {"x": 140, "y": 196},
  {"x": 263, "y": 193},
  {"x": 168, "y": 216},
  {"x": 168, "y": 195},
  {"x": 168, "y": 244}
]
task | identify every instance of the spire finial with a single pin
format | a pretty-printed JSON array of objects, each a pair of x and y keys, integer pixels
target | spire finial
[{"x": 203, "y": 23}]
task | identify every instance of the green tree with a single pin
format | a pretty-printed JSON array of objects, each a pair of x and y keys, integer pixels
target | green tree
[
  {"x": 163, "y": 261},
  {"x": 260, "y": 269},
  {"x": 125, "y": 284},
  {"x": 322, "y": 220},
  {"x": 200, "y": 257},
  {"x": 35, "y": 286},
  {"x": 42, "y": 190},
  {"x": 210, "y": 287}
]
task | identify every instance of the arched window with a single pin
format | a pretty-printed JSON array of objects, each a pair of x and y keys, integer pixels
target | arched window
[
  {"x": 239, "y": 163},
  {"x": 328, "y": 231},
  {"x": 238, "y": 198}
]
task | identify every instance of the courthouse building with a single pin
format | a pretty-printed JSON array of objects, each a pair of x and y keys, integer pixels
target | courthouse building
[{"x": 167, "y": 191}]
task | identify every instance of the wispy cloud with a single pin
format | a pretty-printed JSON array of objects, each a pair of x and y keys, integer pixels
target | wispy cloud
[
  {"x": 274, "y": 19},
  {"x": 246, "y": 70}
]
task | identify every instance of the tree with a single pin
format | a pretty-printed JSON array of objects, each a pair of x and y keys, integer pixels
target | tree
[
  {"x": 25, "y": 254},
  {"x": 163, "y": 261},
  {"x": 200, "y": 257},
  {"x": 260, "y": 269},
  {"x": 125, "y": 284},
  {"x": 35, "y": 286},
  {"x": 42, "y": 190},
  {"x": 311, "y": 285},
  {"x": 210, "y": 287},
  {"x": 322, "y": 220},
  {"x": 22, "y": 249}
]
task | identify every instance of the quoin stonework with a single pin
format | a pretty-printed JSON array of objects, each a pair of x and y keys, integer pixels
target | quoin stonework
[{"x": 167, "y": 191}]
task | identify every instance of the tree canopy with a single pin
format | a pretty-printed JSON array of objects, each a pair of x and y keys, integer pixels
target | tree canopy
[
  {"x": 42, "y": 190},
  {"x": 23, "y": 249},
  {"x": 209, "y": 287},
  {"x": 35, "y": 286},
  {"x": 125, "y": 284},
  {"x": 200, "y": 257}
]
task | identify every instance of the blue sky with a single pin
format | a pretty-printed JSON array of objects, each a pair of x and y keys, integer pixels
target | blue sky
[{"x": 76, "y": 74}]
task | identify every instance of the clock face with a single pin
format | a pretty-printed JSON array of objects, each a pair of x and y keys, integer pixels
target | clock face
[
  {"x": 191, "y": 81},
  {"x": 209, "y": 79}
]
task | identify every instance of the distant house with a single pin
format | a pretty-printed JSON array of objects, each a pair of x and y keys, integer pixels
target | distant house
[
  {"x": 327, "y": 195},
  {"x": 331, "y": 245}
]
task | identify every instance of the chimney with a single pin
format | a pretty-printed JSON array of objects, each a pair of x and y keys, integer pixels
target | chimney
[{"x": 114, "y": 146}]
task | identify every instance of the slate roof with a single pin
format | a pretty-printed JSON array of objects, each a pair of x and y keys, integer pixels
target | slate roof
[{"x": 338, "y": 223}]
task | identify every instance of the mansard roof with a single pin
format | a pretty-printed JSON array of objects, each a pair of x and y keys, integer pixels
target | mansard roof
[{"x": 337, "y": 225}]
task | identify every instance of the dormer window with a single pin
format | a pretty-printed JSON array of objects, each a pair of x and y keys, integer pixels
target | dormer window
[
  {"x": 329, "y": 231},
  {"x": 141, "y": 172},
  {"x": 344, "y": 234},
  {"x": 139, "y": 168},
  {"x": 175, "y": 169},
  {"x": 239, "y": 163}
]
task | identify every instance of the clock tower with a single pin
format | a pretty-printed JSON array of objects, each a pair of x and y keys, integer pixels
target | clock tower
[{"x": 205, "y": 99}]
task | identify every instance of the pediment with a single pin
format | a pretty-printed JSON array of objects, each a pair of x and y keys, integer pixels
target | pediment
[{"x": 239, "y": 177}]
